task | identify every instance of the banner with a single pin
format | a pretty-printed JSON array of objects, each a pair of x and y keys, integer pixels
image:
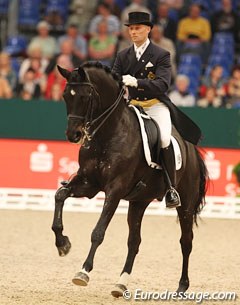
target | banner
[{"x": 44, "y": 164}]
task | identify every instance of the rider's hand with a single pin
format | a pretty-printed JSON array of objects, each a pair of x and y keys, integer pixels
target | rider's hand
[{"x": 129, "y": 80}]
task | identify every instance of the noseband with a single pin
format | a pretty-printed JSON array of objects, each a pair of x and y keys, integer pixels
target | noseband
[{"x": 88, "y": 120}]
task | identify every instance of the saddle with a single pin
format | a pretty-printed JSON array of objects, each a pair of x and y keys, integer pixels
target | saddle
[{"x": 152, "y": 141}]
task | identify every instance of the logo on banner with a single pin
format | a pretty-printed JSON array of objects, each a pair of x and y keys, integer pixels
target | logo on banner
[
  {"x": 41, "y": 160},
  {"x": 213, "y": 166}
]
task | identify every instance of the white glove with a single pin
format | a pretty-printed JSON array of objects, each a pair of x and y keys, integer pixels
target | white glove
[{"x": 129, "y": 80}]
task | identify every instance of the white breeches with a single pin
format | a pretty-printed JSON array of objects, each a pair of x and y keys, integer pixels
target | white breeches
[{"x": 161, "y": 114}]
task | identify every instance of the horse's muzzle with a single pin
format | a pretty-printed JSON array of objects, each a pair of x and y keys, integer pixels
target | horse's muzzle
[{"x": 74, "y": 136}]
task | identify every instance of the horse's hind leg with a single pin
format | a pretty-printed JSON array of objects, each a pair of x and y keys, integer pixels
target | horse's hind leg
[
  {"x": 62, "y": 242},
  {"x": 186, "y": 223},
  {"x": 135, "y": 214}
]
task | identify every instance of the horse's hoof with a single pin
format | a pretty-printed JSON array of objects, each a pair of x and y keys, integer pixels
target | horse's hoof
[
  {"x": 64, "y": 250},
  {"x": 182, "y": 288},
  {"x": 80, "y": 279},
  {"x": 118, "y": 290}
]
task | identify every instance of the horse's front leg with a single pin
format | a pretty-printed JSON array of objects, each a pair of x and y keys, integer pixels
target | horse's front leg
[
  {"x": 62, "y": 242},
  {"x": 110, "y": 205},
  {"x": 135, "y": 215}
]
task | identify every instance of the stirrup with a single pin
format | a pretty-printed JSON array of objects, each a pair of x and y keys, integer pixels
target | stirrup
[{"x": 176, "y": 203}]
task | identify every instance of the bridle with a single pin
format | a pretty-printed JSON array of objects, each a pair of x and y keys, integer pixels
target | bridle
[{"x": 87, "y": 119}]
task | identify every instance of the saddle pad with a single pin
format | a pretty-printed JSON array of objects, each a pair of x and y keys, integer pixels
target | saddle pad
[{"x": 146, "y": 148}]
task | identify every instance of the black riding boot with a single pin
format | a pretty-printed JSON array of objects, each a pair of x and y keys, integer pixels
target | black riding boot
[{"x": 168, "y": 164}]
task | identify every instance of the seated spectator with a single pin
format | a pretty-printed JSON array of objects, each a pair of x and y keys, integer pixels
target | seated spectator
[
  {"x": 210, "y": 99},
  {"x": 35, "y": 61},
  {"x": 5, "y": 88},
  {"x": 79, "y": 41},
  {"x": 181, "y": 96},
  {"x": 159, "y": 39},
  {"x": 104, "y": 13},
  {"x": 225, "y": 20},
  {"x": 55, "y": 78},
  {"x": 168, "y": 24},
  {"x": 55, "y": 19},
  {"x": 56, "y": 92},
  {"x": 175, "y": 4},
  {"x": 29, "y": 88},
  {"x": 6, "y": 70},
  {"x": 102, "y": 46},
  {"x": 234, "y": 89},
  {"x": 44, "y": 41},
  {"x": 134, "y": 6},
  {"x": 67, "y": 49},
  {"x": 194, "y": 33},
  {"x": 81, "y": 12},
  {"x": 215, "y": 80},
  {"x": 124, "y": 39},
  {"x": 114, "y": 7}
]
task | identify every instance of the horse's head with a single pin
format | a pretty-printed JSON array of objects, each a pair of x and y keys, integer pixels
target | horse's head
[{"x": 79, "y": 95}]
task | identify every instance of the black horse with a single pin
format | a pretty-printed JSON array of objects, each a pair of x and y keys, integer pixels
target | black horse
[{"x": 111, "y": 160}]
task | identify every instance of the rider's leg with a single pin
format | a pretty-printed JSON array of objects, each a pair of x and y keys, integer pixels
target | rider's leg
[{"x": 161, "y": 114}]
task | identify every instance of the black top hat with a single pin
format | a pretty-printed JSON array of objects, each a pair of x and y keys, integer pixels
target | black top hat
[{"x": 139, "y": 18}]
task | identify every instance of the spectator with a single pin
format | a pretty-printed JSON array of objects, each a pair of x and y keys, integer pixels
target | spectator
[
  {"x": 124, "y": 39},
  {"x": 67, "y": 49},
  {"x": 44, "y": 41},
  {"x": 5, "y": 89},
  {"x": 6, "y": 70},
  {"x": 114, "y": 7},
  {"x": 215, "y": 80},
  {"x": 81, "y": 12},
  {"x": 34, "y": 55},
  {"x": 158, "y": 38},
  {"x": 55, "y": 19},
  {"x": 210, "y": 99},
  {"x": 102, "y": 46},
  {"x": 168, "y": 24},
  {"x": 104, "y": 13},
  {"x": 225, "y": 20},
  {"x": 234, "y": 89},
  {"x": 79, "y": 41},
  {"x": 55, "y": 79},
  {"x": 194, "y": 33},
  {"x": 29, "y": 88},
  {"x": 134, "y": 6},
  {"x": 181, "y": 95}
]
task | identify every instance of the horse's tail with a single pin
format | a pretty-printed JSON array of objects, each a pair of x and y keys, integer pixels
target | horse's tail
[{"x": 203, "y": 185}]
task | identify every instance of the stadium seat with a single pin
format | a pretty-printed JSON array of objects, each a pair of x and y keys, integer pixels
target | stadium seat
[
  {"x": 4, "y": 7},
  {"x": 191, "y": 59},
  {"x": 60, "y": 6},
  {"x": 15, "y": 45},
  {"x": 29, "y": 13}
]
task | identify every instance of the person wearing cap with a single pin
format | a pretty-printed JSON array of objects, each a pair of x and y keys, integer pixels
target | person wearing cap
[
  {"x": 44, "y": 41},
  {"x": 146, "y": 71}
]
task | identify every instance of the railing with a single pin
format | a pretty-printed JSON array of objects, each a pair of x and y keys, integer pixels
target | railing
[{"x": 37, "y": 199}]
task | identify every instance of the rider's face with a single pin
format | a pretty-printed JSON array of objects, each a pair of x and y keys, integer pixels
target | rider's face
[{"x": 139, "y": 33}]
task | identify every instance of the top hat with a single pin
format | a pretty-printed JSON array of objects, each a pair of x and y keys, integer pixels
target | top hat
[{"x": 139, "y": 18}]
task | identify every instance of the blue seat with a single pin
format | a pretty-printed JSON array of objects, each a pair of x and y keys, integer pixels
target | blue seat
[
  {"x": 29, "y": 12},
  {"x": 4, "y": 4},
  {"x": 223, "y": 38},
  {"x": 15, "y": 45},
  {"x": 191, "y": 59}
]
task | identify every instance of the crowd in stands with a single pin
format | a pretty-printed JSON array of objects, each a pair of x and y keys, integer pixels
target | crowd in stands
[{"x": 203, "y": 38}]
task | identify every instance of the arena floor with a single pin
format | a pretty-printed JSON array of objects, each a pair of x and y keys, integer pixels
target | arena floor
[{"x": 32, "y": 273}]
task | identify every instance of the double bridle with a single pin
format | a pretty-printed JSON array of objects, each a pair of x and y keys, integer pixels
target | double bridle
[{"x": 87, "y": 119}]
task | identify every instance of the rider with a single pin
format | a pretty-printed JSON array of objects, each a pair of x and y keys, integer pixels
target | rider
[{"x": 146, "y": 71}]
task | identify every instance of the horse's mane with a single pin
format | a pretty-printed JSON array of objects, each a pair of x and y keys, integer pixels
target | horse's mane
[{"x": 100, "y": 66}]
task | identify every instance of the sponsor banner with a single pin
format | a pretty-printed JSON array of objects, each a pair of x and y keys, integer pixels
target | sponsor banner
[
  {"x": 36, "y": 164},
  {"x": 44, "y": 164}
]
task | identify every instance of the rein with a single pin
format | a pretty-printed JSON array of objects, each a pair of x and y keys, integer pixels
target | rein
[{"x": 89, "y": 122}]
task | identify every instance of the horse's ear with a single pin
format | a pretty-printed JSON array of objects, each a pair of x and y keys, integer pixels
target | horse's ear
[
  {"x": 83, "y": 74},
  {"x": 65, "y": 73}
]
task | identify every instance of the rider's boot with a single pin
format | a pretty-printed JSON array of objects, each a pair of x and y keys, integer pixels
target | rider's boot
[{"x": 172, "y": 197}]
